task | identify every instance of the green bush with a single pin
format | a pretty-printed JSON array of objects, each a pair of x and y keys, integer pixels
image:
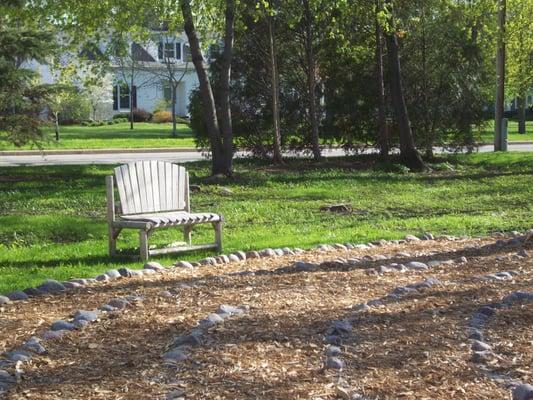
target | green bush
[{"x": 75, "y": 109}]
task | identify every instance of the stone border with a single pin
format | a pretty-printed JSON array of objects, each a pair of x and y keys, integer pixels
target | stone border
[
  {"x": 179, "y": 349},
  {"x": 482, "y": 351},
  {"x": 51, "y": 286},
  {"x": 57, "y": 330}
]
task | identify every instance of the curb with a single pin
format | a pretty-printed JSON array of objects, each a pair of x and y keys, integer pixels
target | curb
[{"x": 96, "y": 151}]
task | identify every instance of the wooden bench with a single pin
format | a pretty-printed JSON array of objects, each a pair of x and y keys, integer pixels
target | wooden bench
[{"x": 154, "y": 195}]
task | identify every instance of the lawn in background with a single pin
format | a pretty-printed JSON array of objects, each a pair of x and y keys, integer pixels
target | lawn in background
[
  {"x": 487, "y": 132},
  {"x": 52, "y": 219},
  {"x": 143, "y": 135}
]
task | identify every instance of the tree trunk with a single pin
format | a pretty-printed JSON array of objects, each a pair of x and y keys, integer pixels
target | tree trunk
[
  {"x": 427, "y": 130},
  {"x": 521, "y": 114},
  {"x": 56, "y": 125},
  {"x": 383, "y": 136},
  {"x": 131, "y": 100},
  {"x": 173, "y": 110},
  {"x": 206, "y": 92},
  {"x": 408, "y": 153},
  {"x": 500, "y": 78},
  {"x": 276, "y": 156},
  {"x": 224, "y": 109},
  {"x": 311, "y": 80}
]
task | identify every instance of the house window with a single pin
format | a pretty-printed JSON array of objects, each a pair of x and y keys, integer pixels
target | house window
[
  {"x": 169, "y": 50},
  {"x": 121, "y": 97},
  {"x": 167, "y": 93}
]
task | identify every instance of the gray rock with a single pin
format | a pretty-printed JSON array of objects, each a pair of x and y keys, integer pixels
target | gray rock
[
  {"x": 134, "y": 298},
  {"x": 361, "y": 246},
  {"x": 523, "y": 392},
  {"x": 267, "y": 253},
  {"x": 6, "y": 377},
  {"x": 225, "y": 191},
  {"x": 297, "y": 250},
  {"x": 33, "y": 292},
  {"x": 107, "y": 308},
  {"x": 333, "y": 351},
  {"x": 175, "y": 355},
  {"x": 165, "y": 293},
  {"x": 176, "y": 394},
  {"x": 279, "y": 252},
  {"x": 54, "y": 335},
  {"x": 81, "y": 323},
  {"x": 374, "y": 303},
  {"x": 252, "y": 254},
  {"x": 382, "y": 269},
  {"x": 361, "y": 307},
  {"x": 334, "y": 363},
  {"x": 340, "y": 327},
  {"x": 241, "y": 255},
  {"x": 119, "y": 303},
  {"x": 475, "y": 334},
  {"x": 34, "y": 345},
  {"x": 225, "y": 259},
  {"x": 192, "y": 339},
  {"x": 487, "y": 310},
  {"x": 80, "y": 281},
  {"x": 340, "y": 246},
  {"x": 478, "y": 320},
  {"x": 61, "y": 325},
  {"x": 518, "y": 296},
  {"x": 153, "y": 266},
  {"x": 333, "y": 339},
  {"x": 225, "y": 309},
  {"x": 480, "y": 357},
  {"x": 51, "y": 286},
  {"x": 349, "y": 246},
  {"x": 302, "y": 266},
  {"x": 211, "y": 320},
  {"x": 208, "y": 261},
  {"x": 89, "y": 316},
  {"x": 234, "y": 258},
  {"x": 126, "y": 272},
  {"x": 523, "y": 253},
  {"x": 417, "y": 266},
  {"x": 184, "y": 264},
  {"x": 70, "y": 285},
  {"x": 102, "y": 278},
  {"x": 4, "y": 300},
  {"x": 148, "y": 271},
  {"x": 403, "y": 254},
  {"x": 19, "y": 355},
  {"x": 113, "y": 274},
  {"x": 411, "y": 238},
  {"x": 463, "y": 260},
  {"x": 478, "y": 345}
]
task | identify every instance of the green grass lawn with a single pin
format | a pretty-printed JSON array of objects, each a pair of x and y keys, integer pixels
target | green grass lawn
[
  {"x": 52, "y": 219},
  {"x": 144, "y": 135},
  {"x": 487, "y": 132}
]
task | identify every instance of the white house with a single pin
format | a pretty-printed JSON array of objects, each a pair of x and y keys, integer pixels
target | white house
[{"x": 148, "y": 68}]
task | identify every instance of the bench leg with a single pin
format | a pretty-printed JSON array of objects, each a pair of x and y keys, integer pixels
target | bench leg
[
  {"x": 113, "y": 233},
  {"x": 218, "y": 235},
  {"x": 187, "y": 234},
  {"x": 143, "y": 244}
]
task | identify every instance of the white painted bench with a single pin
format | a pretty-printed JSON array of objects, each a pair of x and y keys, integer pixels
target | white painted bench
[{"x": 154, "y": 195}]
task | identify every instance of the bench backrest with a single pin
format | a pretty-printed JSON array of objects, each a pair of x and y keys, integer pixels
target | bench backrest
[{"x": 152, "y": 186}]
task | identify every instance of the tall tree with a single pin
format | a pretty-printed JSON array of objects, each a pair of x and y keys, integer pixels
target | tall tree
[
  {"x": 217, "y": 119},
  {"x": 500, "y": 77},
  {"x": 383, "y": 136},
  {"x": 409, "y": 155}
]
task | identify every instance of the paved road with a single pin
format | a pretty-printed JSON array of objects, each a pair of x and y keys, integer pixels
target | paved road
[{"x": 181, "y": 156}]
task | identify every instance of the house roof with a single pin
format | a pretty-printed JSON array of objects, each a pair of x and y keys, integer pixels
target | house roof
[{"x": 140, "y": 54}]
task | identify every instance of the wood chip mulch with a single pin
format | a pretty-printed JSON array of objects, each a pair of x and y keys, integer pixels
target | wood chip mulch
[{"x": 412, "y": 349}]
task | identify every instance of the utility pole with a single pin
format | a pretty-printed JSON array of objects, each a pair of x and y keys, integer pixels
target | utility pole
[{"x": 500, "y": 77}]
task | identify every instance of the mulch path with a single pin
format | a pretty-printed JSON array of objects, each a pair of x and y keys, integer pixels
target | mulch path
[{"x": 413, "y": 349}]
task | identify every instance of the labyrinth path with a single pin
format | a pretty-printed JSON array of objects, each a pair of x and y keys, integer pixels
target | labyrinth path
[{"x": 418, "y": 319}]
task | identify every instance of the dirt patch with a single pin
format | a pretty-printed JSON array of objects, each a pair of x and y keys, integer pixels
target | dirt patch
[{"x": 412, "y": 348}]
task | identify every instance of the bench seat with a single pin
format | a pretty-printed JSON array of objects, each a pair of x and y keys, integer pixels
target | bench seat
[{"x": 173, "y": 218}]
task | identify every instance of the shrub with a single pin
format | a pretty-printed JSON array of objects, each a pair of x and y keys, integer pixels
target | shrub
[
  {"x": 139, "y": 115},
  {"x": 74, "y": 109},
  {"x": 161, "y": 105},
  {"x": 162, "y": 116}
]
